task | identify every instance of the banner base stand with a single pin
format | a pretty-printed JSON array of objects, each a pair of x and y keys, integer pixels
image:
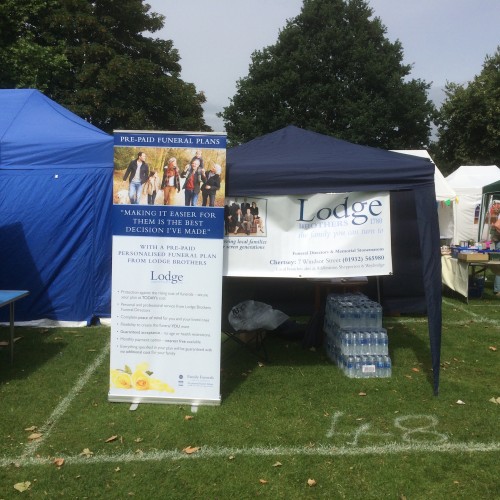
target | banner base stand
[{"x": 136, "y": 400}]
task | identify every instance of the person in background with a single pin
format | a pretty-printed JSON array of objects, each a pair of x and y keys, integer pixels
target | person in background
[
  {"x": 171, "y": 181},
  {"x": 194, "y": 175},
  {"x": 248, "y": 221},
  {"x": 197, "y": 156},
  {"x": 210, "y": 187},
  {"x": 152, "y": 186},
  {"x": 237, "y": 221},
  {"x": 259, "y": 222},
  {"x": 138, "y": 173},
  {"x": 495, "y": 240}
]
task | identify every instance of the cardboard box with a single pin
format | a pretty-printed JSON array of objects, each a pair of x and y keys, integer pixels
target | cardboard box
[{"x": 473, "y": 257}]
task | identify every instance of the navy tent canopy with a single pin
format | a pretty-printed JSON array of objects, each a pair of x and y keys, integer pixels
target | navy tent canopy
[
  {"x": 295, "y": 161},
  {"x": 56, "y": 173}
]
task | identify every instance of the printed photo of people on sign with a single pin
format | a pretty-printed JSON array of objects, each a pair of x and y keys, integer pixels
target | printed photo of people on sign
[
  {"x": 245, "y": 217},
  {"x": 169, "y": 176}
]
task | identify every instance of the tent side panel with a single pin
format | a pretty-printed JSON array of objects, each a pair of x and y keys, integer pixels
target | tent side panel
[
  {"x": 403, "y": 292},
  {"x": 431, "y": 262},
  {"x": 49, "y": 249}
]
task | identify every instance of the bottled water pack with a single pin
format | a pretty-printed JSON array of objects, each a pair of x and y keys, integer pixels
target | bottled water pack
[{"x": 354, "y": 337}]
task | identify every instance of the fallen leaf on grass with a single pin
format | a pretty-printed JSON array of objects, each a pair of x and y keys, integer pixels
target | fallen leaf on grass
[
  {"x": 231, "y": 457},
  {"x": 22, "y": 486},
  {"x": 460, "y": 402},
  {"x": 263, "y": 481},
  {"x": 31, "y": 429},
  {"x": 362, "y": 394},
  {"x": 59, "y": 462},
  {"x": 188, "y": 417},
  {"x": 117, "y": 469},
  {"x": 495, "y": 400},
  {"x": 409, "y": 376},
  {"x": 111, "y": 439},
  {"x": 492, "y": 348},
  {"x": 138, "y": 440},
  {"x": 191, "y": 449},
  {"x": 35, "y": 435},
  {"x": 86, "y": 453},
  {"x": 277, "y": 464},
  {"x": 311, "y": 482},
  {"x": 416, "y": 370}
]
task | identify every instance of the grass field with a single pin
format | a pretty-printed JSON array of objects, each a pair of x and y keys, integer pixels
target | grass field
[{"x": 291, "y": 428}]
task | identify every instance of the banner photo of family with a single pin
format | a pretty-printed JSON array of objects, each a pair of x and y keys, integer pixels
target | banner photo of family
[
  {"x": 310, "y": 236},
  {"x": 168, "y": 230},
  {"x": 169, "y": 169}
]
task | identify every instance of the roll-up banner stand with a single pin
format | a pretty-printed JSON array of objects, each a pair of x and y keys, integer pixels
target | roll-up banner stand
[{"x": 168, "y": 230}]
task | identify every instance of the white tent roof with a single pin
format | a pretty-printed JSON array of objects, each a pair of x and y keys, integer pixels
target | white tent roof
[
  {"x": 443, "y": 189},
  {"x": 471, "y": 179}
]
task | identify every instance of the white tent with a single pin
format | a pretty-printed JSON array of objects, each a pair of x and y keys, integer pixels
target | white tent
[
  {"x": 445, "y": 194},
  {"x": 468, "y": 183}
]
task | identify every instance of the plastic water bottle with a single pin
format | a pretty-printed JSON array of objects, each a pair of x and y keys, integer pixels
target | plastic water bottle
[
  {"x": 387, "y": 366},
  {"x": 350, "y": 367},
  {"x": 341, "y": 316},
  {"x": 356, "y": 316},
  {"x": 384, "y": 343},
  {"x": 363, "y": 337},
  {"x": 350, "y": 343},
  {"x": 354, "y": 342},
  {"x": 375, "y": 342},
  {"x": 380, "y": 366},
  {"x": 357, "y": 366},
  {"x": 379, "y": 314},
  {"x": 370, "y": 361},
  {"x": 369, "y": 342}
]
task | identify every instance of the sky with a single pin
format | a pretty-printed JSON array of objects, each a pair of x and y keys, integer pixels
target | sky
[{"x": 443, "y": 40}]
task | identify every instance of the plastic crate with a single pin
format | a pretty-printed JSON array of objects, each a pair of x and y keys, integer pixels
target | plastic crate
[
  {"x": 455, "y": 250},
  {"x": 476, "y": 287}
]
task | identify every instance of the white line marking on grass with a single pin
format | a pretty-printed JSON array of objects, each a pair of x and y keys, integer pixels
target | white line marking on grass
[
  {"x": 61, "y": 408},
  {"x": 477, "y": 318},
  {"x": 209, "y": 452}
]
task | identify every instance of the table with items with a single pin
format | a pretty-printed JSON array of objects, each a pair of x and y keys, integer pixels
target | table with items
[
  {"x": 466, "y": 275},
  {"x": 9, "y": 297}
]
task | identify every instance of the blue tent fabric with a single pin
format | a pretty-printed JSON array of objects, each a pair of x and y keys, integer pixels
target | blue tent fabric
[
  {"x": 56, "y": 172},
  {"x": 294, "y": 161}
]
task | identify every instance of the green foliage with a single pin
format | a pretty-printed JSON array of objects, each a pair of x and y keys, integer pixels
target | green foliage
[
  {"x": 469, "y": 120},
  {"x": 332, "y": 71},
  {"x": 94, "y": 58}
]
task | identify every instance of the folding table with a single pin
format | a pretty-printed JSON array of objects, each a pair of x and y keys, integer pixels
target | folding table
[{"x": 9, "y": 297}]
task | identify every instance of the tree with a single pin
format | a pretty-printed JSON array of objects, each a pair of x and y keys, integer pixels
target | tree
[
  {"x": 332, "y": 71},
  {"x": 94, "y": 58},
  {"x": 469, "y": 120}
]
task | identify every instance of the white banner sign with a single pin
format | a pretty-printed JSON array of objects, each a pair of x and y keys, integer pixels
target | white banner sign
[
  {"x": 167, "y": 267},
  {"x": 311, "y": 236},
  {"x": 166, "y": 320}
]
